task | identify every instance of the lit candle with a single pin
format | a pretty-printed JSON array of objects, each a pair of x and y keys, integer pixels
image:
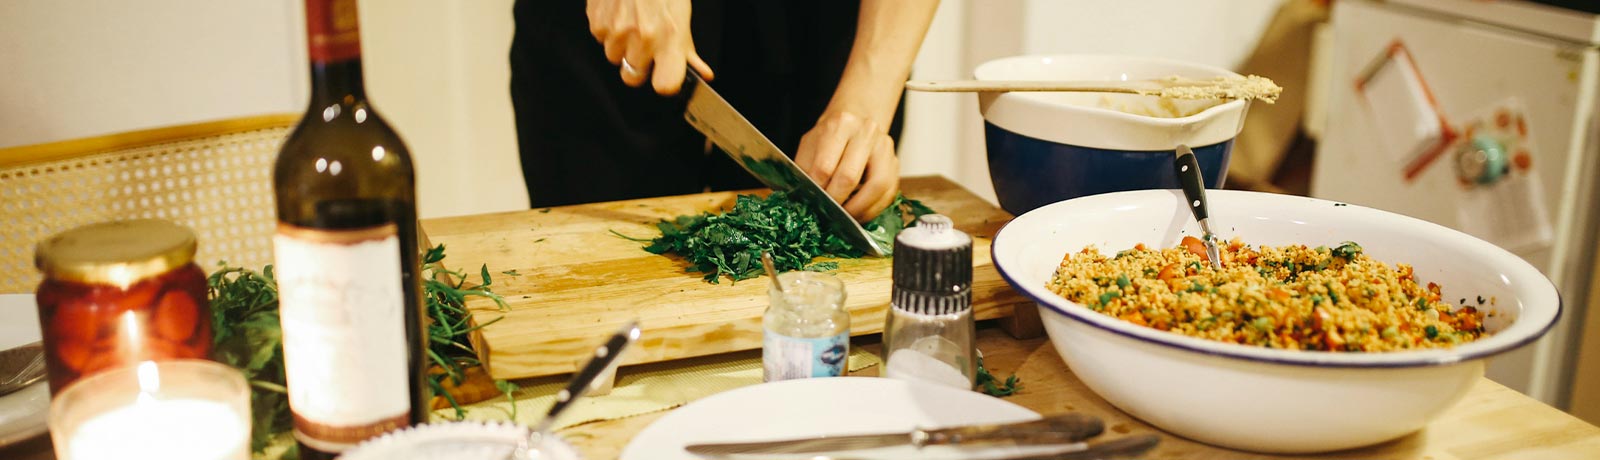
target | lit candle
[
  {"x": 171, "y": 429},
  {"x": 177, "y": 410}
]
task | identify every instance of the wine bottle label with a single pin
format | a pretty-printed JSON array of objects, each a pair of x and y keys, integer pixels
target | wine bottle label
[
  {"x": 332, "y": 31},
  {"x": 341, "y": 302}
]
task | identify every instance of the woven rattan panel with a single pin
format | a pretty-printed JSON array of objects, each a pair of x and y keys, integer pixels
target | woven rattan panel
[{"x": 219, "y": 186}]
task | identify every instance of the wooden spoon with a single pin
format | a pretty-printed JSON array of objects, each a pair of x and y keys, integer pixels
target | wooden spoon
[{"x": 1250, "y": 87}]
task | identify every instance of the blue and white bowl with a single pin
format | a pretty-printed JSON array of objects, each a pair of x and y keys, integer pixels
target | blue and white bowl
[
  {"x": 1261, "y": 399},
  {"x": 1046, "y": 147}
]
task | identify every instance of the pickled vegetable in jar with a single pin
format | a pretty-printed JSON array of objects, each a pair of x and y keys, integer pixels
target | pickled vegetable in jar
[{"x": 118, "y": 293}]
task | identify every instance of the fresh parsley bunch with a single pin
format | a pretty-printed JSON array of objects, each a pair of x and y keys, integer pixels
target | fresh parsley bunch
[{"x": 245, "y": 334}]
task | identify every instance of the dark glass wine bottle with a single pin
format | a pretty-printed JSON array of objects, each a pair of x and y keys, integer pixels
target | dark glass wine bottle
[{"x": 346, "y": 255}]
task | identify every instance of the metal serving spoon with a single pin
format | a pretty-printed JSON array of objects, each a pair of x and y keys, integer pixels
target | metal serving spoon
[
  {"x": 581, "y": 382},
  {"x": 21, "y": 366},
  {"x": 1194, "y": 188}
]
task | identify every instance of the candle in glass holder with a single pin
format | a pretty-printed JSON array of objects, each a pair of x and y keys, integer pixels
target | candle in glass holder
[{"x": 178, "y": 410}]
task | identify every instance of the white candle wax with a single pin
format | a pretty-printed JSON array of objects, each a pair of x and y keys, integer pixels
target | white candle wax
[{"x": 163, "y": 429}]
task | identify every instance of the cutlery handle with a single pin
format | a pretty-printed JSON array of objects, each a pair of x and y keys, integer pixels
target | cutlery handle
[
  {"x": 1194, "y": 188},
  {"x": 1055, "y": 429},
  {"x": 603, "y": 357}
]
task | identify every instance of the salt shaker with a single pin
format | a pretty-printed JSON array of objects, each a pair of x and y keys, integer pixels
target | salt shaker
[{"x": 929, "y": 333}]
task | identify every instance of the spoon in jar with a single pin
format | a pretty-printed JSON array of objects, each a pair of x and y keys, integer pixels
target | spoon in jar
[
  {"x": 772, "y": 272},
  {"x": 1194, "y": 189}
]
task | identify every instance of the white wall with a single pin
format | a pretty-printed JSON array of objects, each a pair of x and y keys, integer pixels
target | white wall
[
  {"x": 438, "y": 71},
  {"x": 77, "y": 68}
]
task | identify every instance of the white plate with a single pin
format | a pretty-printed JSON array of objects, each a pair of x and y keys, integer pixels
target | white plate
[
  {"x": 824, "y": 406},
  {"x": 22, "y": 414}
]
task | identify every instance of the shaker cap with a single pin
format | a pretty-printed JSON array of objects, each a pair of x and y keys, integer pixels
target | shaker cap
[{"x": 933, "y": 263}]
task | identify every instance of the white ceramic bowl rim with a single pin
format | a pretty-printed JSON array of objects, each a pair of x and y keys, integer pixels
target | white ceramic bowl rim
[{"x": 1508, "y": 339}]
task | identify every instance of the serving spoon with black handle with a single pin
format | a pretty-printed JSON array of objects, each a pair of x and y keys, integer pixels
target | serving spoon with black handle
[{"x": 1194, "y": 189}]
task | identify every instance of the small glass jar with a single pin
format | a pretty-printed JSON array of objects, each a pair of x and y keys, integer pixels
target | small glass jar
[
  {"x": 118, "y": 293},
  {"x": 806, "y": 328}
]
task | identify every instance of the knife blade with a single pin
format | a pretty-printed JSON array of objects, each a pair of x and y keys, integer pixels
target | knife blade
[
  {"x": 1058, "y": 429},
  {"x": 709, "y": 113}
]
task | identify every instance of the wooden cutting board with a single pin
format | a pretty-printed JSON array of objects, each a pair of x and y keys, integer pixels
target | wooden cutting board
[{"x": 575, "y": 281}]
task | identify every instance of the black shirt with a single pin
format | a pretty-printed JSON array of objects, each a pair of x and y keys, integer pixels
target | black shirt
[{"x": 584, "y": 136}]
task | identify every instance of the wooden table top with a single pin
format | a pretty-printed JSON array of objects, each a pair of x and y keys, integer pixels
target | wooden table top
[{"x": 1491, "y": 422}]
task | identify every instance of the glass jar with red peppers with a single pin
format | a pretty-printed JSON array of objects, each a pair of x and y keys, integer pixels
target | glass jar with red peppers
[{"x": 117, "y": 293}]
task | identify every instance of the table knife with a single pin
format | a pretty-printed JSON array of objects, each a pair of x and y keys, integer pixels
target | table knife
[
  {"x": 1059, "y": 429},
  {"x": 709, "y": 113}
]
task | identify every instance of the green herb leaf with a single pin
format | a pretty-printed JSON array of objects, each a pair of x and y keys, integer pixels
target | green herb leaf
[{"x": 987, "y": 382}]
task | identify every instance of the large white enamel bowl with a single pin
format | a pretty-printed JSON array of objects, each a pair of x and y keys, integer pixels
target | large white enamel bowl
[{"x": 1262, "y": 399}]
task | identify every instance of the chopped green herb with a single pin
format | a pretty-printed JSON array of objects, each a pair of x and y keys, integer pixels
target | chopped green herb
[
  {"x": 1106, "y": 297},
  {"x": 987, "y": 382},
  {"x": 510, "y": 273},
  {"x": 1122, "y": 281},
  {"x": 1347, "y": 250},
  {"x": 510, "y": 390},
  {"x": 730, "y": 244}
]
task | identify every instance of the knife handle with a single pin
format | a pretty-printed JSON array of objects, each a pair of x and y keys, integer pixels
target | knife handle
[{"x": 1055, "y": 429}]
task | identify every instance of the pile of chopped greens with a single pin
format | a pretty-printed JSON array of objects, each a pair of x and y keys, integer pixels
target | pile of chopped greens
[
  {"x": 730, "y": 243},
  {"x": 247, "y": 336}
]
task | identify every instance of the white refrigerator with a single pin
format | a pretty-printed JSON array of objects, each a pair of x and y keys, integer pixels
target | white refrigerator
[{"x": 1477, "y": 115}]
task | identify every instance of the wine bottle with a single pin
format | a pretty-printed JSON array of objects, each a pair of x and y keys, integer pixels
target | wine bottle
[{"x": 347, "y": 255}]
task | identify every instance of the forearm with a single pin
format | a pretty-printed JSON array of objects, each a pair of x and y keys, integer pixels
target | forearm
[{"x": 888, "y": 35}]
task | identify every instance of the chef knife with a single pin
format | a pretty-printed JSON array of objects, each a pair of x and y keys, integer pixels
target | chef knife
[
  {"x": 709, "y": 113},
  {"x": 1058, "y": 429}
]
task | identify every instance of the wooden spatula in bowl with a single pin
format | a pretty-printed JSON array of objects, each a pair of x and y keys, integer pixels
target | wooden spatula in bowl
[{"x": 1247, "y": 87}]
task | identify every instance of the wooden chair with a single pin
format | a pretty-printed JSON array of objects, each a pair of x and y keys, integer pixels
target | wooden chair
[{"x": 214, "y": 177}]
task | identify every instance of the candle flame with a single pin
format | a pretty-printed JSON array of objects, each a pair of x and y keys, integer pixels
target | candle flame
[{"x": 149, "y": 378}]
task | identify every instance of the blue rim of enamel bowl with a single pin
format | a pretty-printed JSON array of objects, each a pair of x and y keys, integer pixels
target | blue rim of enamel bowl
[{"x": 1383, "y": 360}]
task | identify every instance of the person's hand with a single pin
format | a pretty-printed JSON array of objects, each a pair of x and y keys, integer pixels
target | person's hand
[
  {"x": 649, "y": 39},
  {"x": 853, "y": 159}
]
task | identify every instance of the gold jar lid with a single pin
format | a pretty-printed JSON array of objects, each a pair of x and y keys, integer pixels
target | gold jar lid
[{"x": 119, "y": 253}]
